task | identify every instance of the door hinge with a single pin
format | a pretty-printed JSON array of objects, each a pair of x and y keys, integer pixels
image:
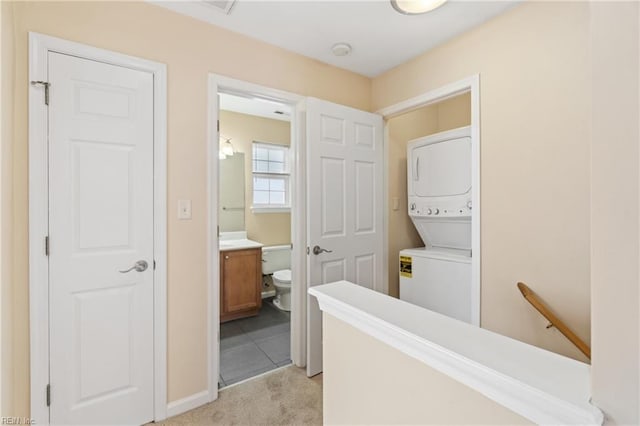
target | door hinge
[
  {"x": 46, "y": 245},
  {"x": 154, "y": 264},
  {"x": 48, "y": 395},
  {"x": 218, "y": 125},
  {"x": 46, "y": 85}
]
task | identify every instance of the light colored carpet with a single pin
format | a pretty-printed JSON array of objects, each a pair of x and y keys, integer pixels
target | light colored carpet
[{"x": 282, "y": 397}]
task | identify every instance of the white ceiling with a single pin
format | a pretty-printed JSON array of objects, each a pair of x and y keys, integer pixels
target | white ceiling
[
  {"x": 255, "y": 106},
  {"x": 381, "y": 38}
]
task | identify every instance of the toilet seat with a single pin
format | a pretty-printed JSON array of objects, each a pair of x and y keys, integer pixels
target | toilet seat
[{"x": 284, "y": 276}]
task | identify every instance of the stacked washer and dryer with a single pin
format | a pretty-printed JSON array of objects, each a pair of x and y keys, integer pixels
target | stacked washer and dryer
[{"x": 438, "y": 276}]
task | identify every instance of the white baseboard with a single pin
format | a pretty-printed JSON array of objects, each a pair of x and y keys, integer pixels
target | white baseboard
[{"x": 188, "y": 403}]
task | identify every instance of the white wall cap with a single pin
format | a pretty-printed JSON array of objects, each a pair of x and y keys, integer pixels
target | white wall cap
[{"x": 542, "y": 386}]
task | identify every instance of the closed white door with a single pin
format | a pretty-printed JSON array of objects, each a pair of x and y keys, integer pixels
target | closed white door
[
  {"x": 101, "y": 227},
  {"x": 345, "y": 206}
]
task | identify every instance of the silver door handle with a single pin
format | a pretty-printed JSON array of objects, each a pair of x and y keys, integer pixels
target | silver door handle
[
  {"x": 140, "y": 266},
  {"x": 319, "y": 250}
]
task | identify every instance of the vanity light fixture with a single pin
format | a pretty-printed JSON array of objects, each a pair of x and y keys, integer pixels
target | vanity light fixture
[
  {"x": 416, "y": 7},
  {"x": 227, "y": 148}
]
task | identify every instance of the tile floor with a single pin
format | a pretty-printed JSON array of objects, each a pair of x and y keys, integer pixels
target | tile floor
[{"x": 252, "y": 346}]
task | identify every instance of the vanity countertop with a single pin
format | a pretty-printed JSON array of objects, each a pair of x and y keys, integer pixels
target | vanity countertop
[
  {"x": 227, "y": 245},
  {"x": 236, "y": 241}
]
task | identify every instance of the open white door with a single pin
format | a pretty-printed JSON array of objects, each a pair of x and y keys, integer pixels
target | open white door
[{"x": 345, "y": 206}]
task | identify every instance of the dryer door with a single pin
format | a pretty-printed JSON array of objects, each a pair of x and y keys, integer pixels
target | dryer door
[{"x": 441, "y": 169}]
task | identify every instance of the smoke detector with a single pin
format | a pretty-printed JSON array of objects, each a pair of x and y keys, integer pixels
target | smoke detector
[
  {"x": 341, "y": 49},
  {"x": 223, "y": 6}
]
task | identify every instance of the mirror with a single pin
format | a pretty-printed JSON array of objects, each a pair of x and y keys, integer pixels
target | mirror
[{"x": 231, "y": 208}]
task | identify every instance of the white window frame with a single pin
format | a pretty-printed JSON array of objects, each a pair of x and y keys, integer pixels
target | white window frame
[{"x": 285, "y": 175}]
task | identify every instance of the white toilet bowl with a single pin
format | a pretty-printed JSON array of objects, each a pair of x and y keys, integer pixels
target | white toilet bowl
[{"x": 282, "y": 283}]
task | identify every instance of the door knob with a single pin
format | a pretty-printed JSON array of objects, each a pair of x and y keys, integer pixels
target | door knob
[
  {"x": 319, "y": 250},
  {"x": 139, "y": 266}
]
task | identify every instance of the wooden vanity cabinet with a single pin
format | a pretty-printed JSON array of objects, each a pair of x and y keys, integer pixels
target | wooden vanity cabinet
[{"x": 240, "y": 283}]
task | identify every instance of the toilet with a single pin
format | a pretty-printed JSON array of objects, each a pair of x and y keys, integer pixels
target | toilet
[
  {"x": 282, "y": 283},
  {"x": 276, "y": 261}
]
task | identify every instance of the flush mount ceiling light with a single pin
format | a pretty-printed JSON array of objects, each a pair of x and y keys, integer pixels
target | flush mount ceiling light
[
  {"x": 416, "y": 7},
  {"x": 341, "y": 49},
  {"x": 223, "y": 6}
]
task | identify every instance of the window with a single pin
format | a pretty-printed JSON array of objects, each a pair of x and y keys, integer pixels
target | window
[{"x": 270, "y": 163}]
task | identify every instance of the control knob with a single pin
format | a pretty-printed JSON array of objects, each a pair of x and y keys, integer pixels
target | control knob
[
  {"x": 413, "y": 206},
  {"x": 469, "y": 204},
  {"x": 429, "y": 211},
  {"x": 437, "y": 211}
]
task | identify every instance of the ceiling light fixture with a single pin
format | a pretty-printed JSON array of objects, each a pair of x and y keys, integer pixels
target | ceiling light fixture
[
  {"x": 341, "y": 49},
  {"x": 416, "y": 7},
  {"x": 223, "y": 6}
]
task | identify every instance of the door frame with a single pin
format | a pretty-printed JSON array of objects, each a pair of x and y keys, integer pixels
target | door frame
[
  {"x": 217, "y": 84},
  {"x": 469, "y": 84},
  {"x": 39, "y": 47}
]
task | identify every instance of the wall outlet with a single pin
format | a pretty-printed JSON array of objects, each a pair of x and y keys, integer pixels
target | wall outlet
[{"x": 184, "y": 209}]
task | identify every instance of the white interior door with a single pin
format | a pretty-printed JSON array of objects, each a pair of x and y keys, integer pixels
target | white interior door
[
  {"x": 101, "y": 225},
  {"x": 345, "y": 206}
]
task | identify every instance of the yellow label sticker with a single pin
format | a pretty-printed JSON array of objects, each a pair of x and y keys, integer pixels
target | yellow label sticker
[{"x": 405, "y": 266}]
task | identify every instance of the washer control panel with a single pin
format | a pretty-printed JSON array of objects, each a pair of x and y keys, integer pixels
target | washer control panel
[{"x": 448, "y": 208}]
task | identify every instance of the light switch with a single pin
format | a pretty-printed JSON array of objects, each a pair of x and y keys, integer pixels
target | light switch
[
  {"x": 396, "y": 203},
  {"x": 184, "y": 209}
]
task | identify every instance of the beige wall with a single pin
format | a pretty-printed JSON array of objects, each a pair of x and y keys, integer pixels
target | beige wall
[
  {"x": 368, "y": 382},
  {"x": 191, "y": 49},
  {"x": 6, "y": 233},
  {"x": 267, "y": 228},
  {"x": 454, "y": 112},
  {"x": 445, "y": 115},
  {"x": 615, "y": 213},
  {"x": 533, "y": 64}
]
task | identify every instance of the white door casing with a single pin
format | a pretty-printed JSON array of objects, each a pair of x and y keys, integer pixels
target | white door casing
[
  {"x": 101, "y": 223},
  {"x": 344, "y": 206},
  {"x": 97, "y": 187},
  {"x": 223, "y": 84}
]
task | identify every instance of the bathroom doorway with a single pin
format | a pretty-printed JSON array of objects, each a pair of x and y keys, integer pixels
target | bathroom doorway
[
  {"x": 255, "y": 182},
  {"x": 306, "y": 116}
]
